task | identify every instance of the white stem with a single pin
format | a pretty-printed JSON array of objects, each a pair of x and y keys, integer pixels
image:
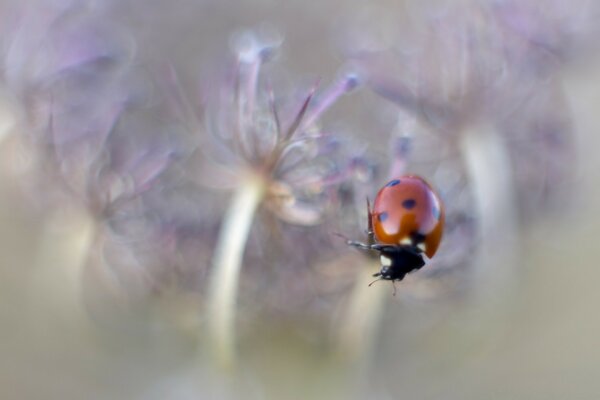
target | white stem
[
  {"x": 491, "y": 175},
  {"x": 358, "y": 327},
  {"x": 62, "y": 256},
  {"x": 226, "y": 267},
  {"x": 8, "y": 117}
]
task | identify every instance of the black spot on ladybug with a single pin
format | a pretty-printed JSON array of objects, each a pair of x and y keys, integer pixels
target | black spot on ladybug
[
  {"x": 382, "y": 217},
  {"x": 409, "y": 204},
  {"x": 393, "y": 183},
  {"x": 436, "y": 212}
]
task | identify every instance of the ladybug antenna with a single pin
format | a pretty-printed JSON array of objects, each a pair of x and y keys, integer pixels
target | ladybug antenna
[
  {"x": 380, "y": 278},
  {"x": 376, "y": 280}
]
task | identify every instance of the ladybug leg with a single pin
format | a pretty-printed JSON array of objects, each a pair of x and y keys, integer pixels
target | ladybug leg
[
  {"x": 359, "y": 245},
  {"x": 355, "y": 243},
  {"x": 374, "y": 246}
]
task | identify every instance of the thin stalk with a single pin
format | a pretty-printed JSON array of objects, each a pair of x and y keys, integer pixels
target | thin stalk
[
  {"x": 8, "y": 117},
  {"x": 328, "y": 99},
  {"x": 490, "y": 172},
  {"x": 226, "y": 266},
  {"x": 358, "y": 328},
  {"x": 251, "y": 85},
  {"x": 64, "y": 251}
]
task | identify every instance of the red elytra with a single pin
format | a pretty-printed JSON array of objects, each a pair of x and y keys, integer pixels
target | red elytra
[{"x": 408, "y": 211}]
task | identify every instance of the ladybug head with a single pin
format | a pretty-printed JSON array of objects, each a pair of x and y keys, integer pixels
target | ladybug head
[{"x": 397, "y": 261}]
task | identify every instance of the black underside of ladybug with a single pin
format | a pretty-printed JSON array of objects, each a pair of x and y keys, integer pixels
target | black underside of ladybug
[{"x": 397, "y": 261}]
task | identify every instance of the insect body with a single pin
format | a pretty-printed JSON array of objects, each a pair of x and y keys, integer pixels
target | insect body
[{"x": 405, "y": 224}]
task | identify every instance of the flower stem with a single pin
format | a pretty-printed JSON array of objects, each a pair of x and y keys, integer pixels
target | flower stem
[
  {"x": 67, "y": 241},
  {"x": 490, "y": 172},
  {"x": 358, "y": 328},
  {"x": 226, "y": 267}
]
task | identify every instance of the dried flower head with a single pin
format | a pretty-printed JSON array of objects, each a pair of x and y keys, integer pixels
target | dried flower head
[
  {"x": 98, "y": 140},
  {"x": 252, "y": 131},
  {"x": 273, "y": 153}
]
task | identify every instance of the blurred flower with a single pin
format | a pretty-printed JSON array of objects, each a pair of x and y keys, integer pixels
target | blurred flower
[
  {"x": 466, "y": 73},
  {"x": 273, "y": 153},
  {"x": 101, "y": 139},
  {"x": 147, "y": 178},
  {"x": 57, "y": 55}
]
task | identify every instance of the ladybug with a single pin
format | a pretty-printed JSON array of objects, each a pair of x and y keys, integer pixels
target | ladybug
[{"x": 406, "y": 224}]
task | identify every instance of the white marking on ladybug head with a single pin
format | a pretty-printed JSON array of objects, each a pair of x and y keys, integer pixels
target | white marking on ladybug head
[
  {"x": 405, "y": 241},
  {"x": 422, "y": 246},
  {"x": 385, "y": 261}
]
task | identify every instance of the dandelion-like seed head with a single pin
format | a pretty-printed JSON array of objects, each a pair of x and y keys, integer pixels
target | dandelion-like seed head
[{"x": 254, "y": 132}]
